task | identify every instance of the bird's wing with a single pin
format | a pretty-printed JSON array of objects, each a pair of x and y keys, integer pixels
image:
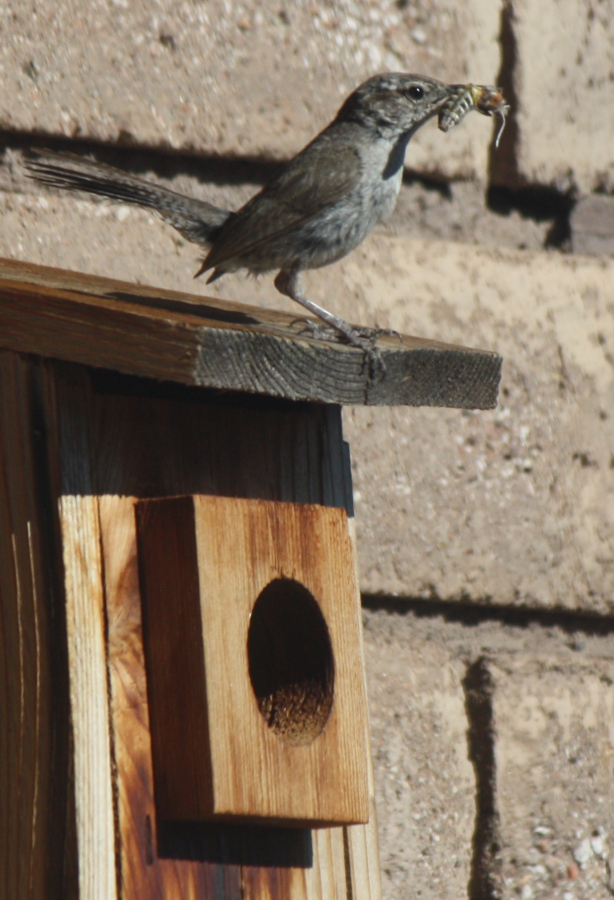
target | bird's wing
[
  {"x": 313, "y": 181},
  {"x": 196, "y": 220}
]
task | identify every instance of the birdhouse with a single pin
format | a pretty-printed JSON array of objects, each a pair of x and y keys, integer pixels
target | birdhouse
[{"x": 182, "y": 693}]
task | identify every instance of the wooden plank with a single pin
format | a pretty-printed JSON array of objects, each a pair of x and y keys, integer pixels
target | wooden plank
[
  {"x": 37, "y": 840},
  {"x": 362, "y": 850},
  {"x": 220, "y": 576},
  {"x": 131, "y": 741},
  {"x": 20, "y": 651},
  {"x": 200, "y": 341},
  {"x": 361, "y": 843},
  {"x": 143, "y": 873},
  {"x": 327, "y": 879},
  {"x": 88, "y": 696},
  {"x": 259, "y": 883},
  {"x": 90, "y": 532}
]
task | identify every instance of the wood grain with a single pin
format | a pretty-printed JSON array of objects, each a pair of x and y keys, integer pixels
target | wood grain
[
  {"x": 148, "y": 441},
  {"x": 200, "y": 341},
  {"x": 206, "y": 564},
  {"x": 77, "y": 447},
  {"x": 328, "y": 879},
  {"x": 38, "y": 857},
  {"x": 361, "y": 843},
  {"x": 137, "y": 871},
  {"x": 87, "y": 653},
  {"x": 143, "y": 872},
  {"x": 88, "y": 695}
]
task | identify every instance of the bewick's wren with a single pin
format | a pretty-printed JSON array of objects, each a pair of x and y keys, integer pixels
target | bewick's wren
[{"x": 320, "y": 207}]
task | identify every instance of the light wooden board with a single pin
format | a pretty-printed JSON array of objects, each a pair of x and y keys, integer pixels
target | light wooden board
[
  {"x": 88, "y": 696},
  {"x": 143, "y": 873},
  {"x": 206, "y": 564}
]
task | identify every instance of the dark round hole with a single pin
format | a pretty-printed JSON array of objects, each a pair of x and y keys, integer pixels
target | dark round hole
[{"x": 291, "y": 664}]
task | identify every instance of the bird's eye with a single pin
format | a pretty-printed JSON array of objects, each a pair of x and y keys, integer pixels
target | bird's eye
[{"x": 416, "y": 92}]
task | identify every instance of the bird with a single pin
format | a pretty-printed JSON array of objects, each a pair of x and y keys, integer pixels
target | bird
[{"x": 321, "y": 205}]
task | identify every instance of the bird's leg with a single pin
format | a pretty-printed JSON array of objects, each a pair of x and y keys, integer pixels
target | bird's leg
[{"x": 289, "y": 284}]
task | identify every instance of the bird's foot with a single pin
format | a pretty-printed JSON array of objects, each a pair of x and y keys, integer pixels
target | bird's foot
[
  {"x": 364, "y": 339},
  {"x": 374, "y": 333},
  {"x": 331, "y": 326},
  {"x": 318, "y": 330},
  {"x": 323, "y": 332}
]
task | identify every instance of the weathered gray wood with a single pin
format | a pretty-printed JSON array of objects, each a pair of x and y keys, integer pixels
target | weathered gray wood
[{"x": 197, "y": 341}]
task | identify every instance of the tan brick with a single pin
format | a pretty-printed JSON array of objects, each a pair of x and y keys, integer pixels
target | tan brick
[
  {"x": 592, "y": 225},
  {"x": 424, "y": 783},
  {"x": 510, "y": 506},
  {"x": 562, "y": 58},
  {"x": 234, "y": 78},
  {"x": 555, "y": 769}
]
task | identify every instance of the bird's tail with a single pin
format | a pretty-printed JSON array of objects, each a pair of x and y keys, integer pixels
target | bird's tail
[{"x": 197, "y": 220}]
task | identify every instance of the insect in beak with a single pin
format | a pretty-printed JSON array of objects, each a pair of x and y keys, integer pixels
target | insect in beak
[{"x": 485, "y": 99}]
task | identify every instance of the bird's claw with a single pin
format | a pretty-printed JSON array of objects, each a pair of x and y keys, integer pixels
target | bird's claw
[
  {"x": 364, "y": 339},
  {"x": 317, "y": 330}
]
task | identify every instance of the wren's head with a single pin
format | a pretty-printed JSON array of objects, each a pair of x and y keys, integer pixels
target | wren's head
[{"x": 396, "y": 103}]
